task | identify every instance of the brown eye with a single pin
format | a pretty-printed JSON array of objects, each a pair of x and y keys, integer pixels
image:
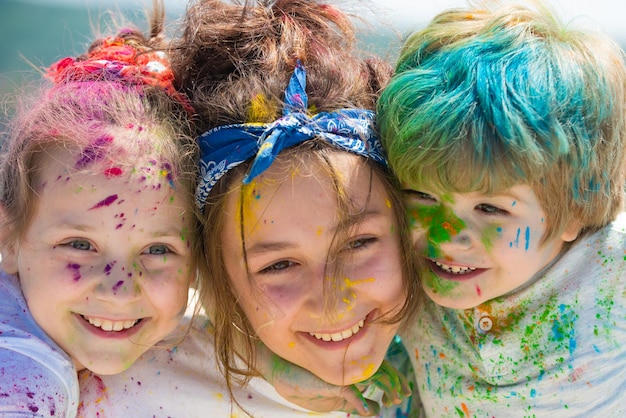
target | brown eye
[{"x": 490, "y": 209}]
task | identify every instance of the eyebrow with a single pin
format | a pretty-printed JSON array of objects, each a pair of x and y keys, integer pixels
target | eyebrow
[{"x": 261, "y": 246}]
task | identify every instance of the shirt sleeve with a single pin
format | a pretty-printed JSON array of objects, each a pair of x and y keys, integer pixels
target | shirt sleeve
[{"x": 37, "y": 378}]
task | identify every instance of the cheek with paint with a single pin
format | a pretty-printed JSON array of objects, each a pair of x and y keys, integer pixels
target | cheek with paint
[
  {"x": 438, "y": 285},
  {"x": 491, "y": 235},
  {"x": 439, "y": 223},
  {"x": 346, "y": 291},
  {"x": 521, "y": 239}
]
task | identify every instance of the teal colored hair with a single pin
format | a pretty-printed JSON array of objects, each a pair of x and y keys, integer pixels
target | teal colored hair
[{"x": 483, "y": 99}]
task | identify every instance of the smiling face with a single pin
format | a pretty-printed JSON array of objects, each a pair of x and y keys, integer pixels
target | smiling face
[
  {"x": 293, "y": 242},
  {"x": 480, "y": 246},
  {"x": 104, "y": 263}
]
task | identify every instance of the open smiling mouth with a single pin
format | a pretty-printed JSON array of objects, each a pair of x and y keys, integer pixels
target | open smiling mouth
[
  {"x": 459, "y": 270},
  {"x": 339, "y": 336},
  {"x": 107, "y": 325}
]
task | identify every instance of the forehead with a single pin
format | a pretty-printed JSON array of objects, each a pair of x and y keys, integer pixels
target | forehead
[
  {"x": 101, "y": 157},
  {"x": 318, "y": 179},
  {"x": 308, "y": 189}
]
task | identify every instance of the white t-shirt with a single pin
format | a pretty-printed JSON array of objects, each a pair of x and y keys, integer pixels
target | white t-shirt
[
  {"x": 37, "y": 378},
  {"x": 181, "y": 381},
  {"x": 555, "y": 347}
]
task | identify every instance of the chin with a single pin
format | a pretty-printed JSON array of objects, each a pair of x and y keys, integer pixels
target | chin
[
  {"x": 451, "y": 303},
  {"x": 110, "y": 367},
  {"x": 349, "y": 375}
]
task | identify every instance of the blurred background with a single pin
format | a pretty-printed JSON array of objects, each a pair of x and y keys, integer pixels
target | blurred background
[{"x": 35, "y": 33}]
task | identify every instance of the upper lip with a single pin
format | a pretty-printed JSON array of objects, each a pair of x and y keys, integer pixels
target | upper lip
[{"x": 339, "y": 335}]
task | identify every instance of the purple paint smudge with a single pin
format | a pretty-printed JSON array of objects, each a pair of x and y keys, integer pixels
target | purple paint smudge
[
  {"x": 75, "y": 270},
  {"x": 106, "y": 202},
  {"x": 107, "y": 269},
  {"x": 118, "y": 285},
  {"x": 94, "y": 152}
]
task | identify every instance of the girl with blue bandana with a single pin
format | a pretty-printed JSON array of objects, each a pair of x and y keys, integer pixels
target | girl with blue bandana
[
  {"x": 96, "y": 217},
  {"x": 306, "y": 243},
  {"x": 507, "y": 130}
]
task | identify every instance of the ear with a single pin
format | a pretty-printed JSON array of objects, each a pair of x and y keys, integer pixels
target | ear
[
  {"x": 8, "y": 249},
  {"x": 571, "y": 231}
]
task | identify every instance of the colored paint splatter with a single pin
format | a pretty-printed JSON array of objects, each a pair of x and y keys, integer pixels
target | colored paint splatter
[
  {"x": 166, "y": 172},
  {"x": 117, "y": 285},
  {"x": 440, "y": 223},
  {"x": 439, "y": 285},
  {"x": 108, "y": 268},
  {"x": 75, "y": 269},
  {"x": 106, "y": 202},
  {"x": 490, "y": 233},
  {"x": 113, "y": 172},
  {"x": 94, "y": 152}
]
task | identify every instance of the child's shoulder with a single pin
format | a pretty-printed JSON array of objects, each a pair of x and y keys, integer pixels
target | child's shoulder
[{"x": 613, "y": 235}]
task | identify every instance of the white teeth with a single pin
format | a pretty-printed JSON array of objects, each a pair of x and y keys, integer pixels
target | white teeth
[
  {"x": 107, "y": 325},
  {"x": 454, "y": 269},
  {"x": 339, "y": 336}
]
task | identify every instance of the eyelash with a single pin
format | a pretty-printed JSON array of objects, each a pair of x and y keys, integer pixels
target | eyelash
[
  {"x": 362, "y": 243},
  {"x": 272, "y": 269},
  {"x": 78, "y": 244},
  {"x": 486, "y": 208},
  {"x": 416, "y": 194},
  {"x": 359, "y": 244},
  {"x": 491, "y": 209}
]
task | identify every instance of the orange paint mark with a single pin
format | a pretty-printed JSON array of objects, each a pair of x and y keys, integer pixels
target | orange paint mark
[
  {"x": 441, "y": 355},
  {"x": 448, "y": 227},
  {"x": 417, "y": 354},
  {"x": 465, "y": 410}
]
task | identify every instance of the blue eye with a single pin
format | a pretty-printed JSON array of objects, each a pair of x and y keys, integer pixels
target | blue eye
[
  {"x": 158, "y": 249},
  {"x": 82, "y": 245},
  {"x": 360, "y": 243},
  {"x": 278, "y": 267}
]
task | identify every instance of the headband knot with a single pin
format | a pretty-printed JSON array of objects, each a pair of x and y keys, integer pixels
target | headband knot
[{"x": 225, "y": 147}]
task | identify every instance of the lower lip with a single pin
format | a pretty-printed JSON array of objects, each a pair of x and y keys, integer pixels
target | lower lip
[
  {"x": 434, "y": 268},
  {"x": 343, "y": 344},
  {"x": 99, "y": 332}
]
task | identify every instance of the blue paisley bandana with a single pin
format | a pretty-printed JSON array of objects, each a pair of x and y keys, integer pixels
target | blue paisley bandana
[{"x": 225, "y": 147}]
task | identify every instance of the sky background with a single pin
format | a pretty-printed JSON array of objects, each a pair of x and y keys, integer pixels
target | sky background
[
  {"x": 607, "y": 14},
  {"x": 36, "y": 33}
]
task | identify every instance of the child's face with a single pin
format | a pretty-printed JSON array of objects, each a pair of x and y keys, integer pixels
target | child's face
[
  {"x": 290, "y": 221},
  {"x": 479, "y": 246},
  {"x": 104, "y": 263}
]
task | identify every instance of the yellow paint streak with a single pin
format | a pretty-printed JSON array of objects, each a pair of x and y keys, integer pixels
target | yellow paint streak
[{"x": 249, "y": 192}]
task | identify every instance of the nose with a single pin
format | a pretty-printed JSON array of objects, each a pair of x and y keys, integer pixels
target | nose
[
  {"x": 330, "y": 296},
  {"x": 457, "y": 240},
  {"x": 119, "y": 283}
]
